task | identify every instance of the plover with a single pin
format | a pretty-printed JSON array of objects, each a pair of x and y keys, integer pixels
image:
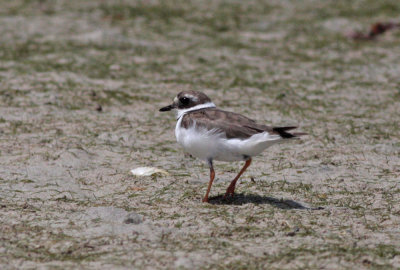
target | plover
[{"x": 209, "y": 133}]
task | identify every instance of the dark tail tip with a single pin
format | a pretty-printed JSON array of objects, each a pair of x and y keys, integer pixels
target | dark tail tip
[{"x": 282, "y": 131}]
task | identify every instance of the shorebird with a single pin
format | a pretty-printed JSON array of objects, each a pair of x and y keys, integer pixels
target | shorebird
[{"x": 209, "y": 133}]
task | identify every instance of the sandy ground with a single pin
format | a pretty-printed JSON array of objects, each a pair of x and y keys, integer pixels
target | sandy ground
[{"x": 68, "y": 200}]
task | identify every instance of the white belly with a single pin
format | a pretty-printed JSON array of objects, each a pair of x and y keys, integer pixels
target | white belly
[{"x": 211, "y": 144}]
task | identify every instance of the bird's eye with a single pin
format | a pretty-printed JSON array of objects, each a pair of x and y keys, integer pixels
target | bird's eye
[{"x": 184, "y": 100}]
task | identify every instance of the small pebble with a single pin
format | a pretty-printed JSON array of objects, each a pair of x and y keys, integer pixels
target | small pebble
[
  {"x": 294, "y": 232},
  {"x": 133, "y": 218}
]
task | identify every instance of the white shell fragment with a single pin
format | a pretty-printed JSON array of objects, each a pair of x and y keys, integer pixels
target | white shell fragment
[{"x": 148, "y": 171}]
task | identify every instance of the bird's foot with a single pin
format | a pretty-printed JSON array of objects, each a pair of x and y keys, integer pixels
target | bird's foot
[
  {"x": 205, "y": 199},
  {"x": 230, "y": 192}
]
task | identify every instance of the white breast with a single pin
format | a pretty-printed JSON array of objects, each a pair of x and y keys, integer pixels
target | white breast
[{"x": 198, "y": 142}]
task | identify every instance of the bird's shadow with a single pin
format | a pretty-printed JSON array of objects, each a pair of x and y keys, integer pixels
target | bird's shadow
[{"x": 240, "y": 199}]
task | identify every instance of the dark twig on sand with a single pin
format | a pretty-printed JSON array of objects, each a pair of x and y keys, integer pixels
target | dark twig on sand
[{"x": 376, "y": 29}]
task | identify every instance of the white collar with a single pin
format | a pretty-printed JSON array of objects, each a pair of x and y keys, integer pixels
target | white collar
[{"x": 180, "y": 112}]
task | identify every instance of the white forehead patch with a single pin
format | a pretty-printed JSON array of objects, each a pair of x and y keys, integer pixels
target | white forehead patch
[{"x": 175, "y": 99}]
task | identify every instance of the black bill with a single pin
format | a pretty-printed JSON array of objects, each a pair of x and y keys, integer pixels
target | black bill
[{"x": 167, "y": 108}]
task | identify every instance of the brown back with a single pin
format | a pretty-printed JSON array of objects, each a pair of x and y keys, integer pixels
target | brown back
[{"x": 233, "y": 125}]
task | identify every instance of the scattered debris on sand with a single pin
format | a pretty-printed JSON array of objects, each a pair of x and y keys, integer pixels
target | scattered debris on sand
[{"x": 376, "y": 29}]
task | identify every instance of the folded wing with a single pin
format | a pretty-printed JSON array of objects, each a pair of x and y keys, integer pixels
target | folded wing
[{"x": 231, "y": 124}]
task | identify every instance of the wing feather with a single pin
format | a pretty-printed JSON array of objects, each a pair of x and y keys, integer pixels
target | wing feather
[{"x": 233, "y": 125}]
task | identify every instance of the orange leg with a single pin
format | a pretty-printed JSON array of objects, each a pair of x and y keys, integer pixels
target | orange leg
[
  {"x": 231, "y": 189},
  {"x": 212, "y": 175}
]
